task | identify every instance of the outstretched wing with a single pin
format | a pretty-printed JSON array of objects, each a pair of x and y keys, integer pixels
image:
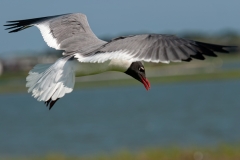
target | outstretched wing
[
  {"x": 153, "y": 48},
  {"x": 69, "y": 32}
]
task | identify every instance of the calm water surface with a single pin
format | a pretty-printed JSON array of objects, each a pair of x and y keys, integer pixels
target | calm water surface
[{"x": 90, "y": 121}]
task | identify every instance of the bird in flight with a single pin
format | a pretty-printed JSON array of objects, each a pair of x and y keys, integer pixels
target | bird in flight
[{"x": 82, "y": 48}]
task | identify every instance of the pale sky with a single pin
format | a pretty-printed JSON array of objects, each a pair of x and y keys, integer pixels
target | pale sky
[{"x": 112, "y": 18}]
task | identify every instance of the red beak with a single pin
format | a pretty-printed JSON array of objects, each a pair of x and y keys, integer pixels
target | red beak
[{"x": 146, "y": 83}]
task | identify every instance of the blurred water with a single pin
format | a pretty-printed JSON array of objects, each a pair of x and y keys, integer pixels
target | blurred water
[{"x": 90, "y": 121}]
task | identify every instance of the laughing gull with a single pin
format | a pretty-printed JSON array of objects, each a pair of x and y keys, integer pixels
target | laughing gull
[{"x": 72, "y": 34}]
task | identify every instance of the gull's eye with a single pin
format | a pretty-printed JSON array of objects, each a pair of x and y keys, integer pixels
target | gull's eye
[{"x": 141, "y": 69}]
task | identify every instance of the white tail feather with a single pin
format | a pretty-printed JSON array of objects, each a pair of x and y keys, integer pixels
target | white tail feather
[{"x": 53, "y": 81}]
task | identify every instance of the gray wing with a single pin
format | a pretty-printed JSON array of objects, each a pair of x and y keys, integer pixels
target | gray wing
[
  {"x": 153, "y": 48},
  {"x": 69, "y": 32}
]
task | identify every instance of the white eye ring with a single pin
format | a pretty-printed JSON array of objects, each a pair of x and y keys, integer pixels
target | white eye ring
[{"x": 141, "y": 69}]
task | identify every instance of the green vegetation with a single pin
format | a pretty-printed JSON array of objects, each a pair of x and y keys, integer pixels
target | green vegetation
[
  {"x": 18, "y": 84},
  {"x": 200, "y": 70},
  {"x": 220, "y": 153}
]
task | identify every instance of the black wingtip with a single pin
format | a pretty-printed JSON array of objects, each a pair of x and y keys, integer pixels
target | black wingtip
[
  {"x": 26, "y": 23},
  {"x": 218, "y": 48},
  {"x": 12, "y": 24},
  {"x": 15, "y": 30},
  {"x": 198, "y": 56},
  {"x": 17, "y": 27},
  {"x": 187, "y": 60},
  {"x": 229, "y": 49}
]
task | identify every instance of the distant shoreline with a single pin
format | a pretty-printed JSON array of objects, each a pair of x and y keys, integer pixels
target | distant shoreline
[
  {"x": 17, "y": 85},
  {"x": 223, "y": 152}
]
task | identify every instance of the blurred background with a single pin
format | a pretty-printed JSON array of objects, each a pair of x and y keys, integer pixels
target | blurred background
[{"x": 191, "y": 112}]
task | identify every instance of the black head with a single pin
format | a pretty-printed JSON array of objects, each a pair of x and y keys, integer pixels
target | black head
[{"x": 137, "y": 71}]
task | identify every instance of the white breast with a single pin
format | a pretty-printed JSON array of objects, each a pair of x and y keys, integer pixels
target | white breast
[{"x": 83, "y": 69}]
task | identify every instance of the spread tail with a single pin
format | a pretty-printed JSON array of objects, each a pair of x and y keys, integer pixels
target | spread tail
[{"x": 49, "y": 82}]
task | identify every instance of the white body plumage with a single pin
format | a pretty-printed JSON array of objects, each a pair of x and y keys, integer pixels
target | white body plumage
[{"x": 53, "y": 81}]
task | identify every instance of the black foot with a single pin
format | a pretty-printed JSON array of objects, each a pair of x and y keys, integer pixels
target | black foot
[{"x": 51, "y": 103}]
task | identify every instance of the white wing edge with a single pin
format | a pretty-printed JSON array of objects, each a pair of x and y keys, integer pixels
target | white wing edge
[
  {"x": 47, "y": 35},
  {"x": 105, "y": 56}
]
